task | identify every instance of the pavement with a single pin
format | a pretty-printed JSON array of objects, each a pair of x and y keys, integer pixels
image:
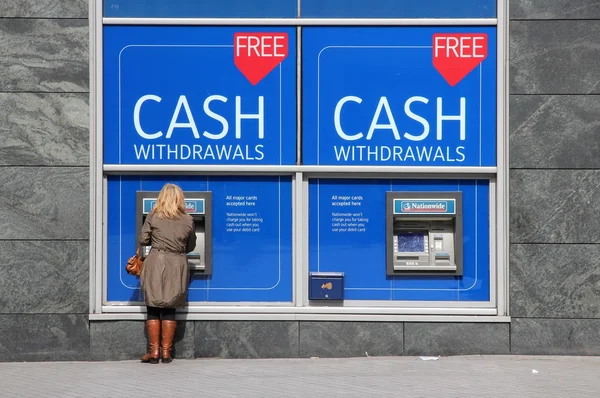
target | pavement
[{"x": 464, "y": 376}]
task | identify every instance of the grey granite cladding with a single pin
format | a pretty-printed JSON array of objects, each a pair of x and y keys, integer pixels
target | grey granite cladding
[
  {"x": 44, "y": 9},
  {"x": 44, "y": 129},
  {"x": 44, "y": 338},
  {"x": 350, "y": 339},
  {"x": 446, "y": 339},
  {"x": 555, "y": 281},
  {"x": 246, "y": 339},
  {"x": 48, "y": 277},
  {"x": 117, "y": 340},
  {"x": 548, "y": 131},
  {"x": 554, "y": 223},
  {"x": 554, "y": 57},
  {"x": 554, "y": 206},
  {"x": 127, "y": 340},
  {"x": 184, "y": 342},
  {"x": 44, "y": 203},
  {"x": 531, "y": 336},
  {"x": 554, "y": 9},
  {"x": 44, "y": 55}
]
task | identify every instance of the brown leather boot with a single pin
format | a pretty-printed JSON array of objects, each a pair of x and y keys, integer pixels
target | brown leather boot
[
  {"x": 168, "y": 332},
  {"x": 153, "y": 327}
]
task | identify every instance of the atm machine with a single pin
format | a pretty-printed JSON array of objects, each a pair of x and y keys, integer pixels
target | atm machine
[
  {"x": 424, "y": 233},
  {"x": 199, "y": 206}
]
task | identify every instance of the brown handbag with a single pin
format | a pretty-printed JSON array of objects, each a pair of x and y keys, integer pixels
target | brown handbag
[{"x": 134, "y": 264}]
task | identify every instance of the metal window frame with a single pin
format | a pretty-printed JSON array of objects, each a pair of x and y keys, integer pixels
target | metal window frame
[
  {"x": 496, "y": 310},
  {"x": 302, "y": 21}
]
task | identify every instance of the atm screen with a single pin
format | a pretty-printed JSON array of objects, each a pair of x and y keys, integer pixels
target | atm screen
[{"x": 414, "y": 242}]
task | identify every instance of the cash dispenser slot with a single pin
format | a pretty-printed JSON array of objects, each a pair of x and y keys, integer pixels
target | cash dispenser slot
[
  {"x": 199, "y": 206},
  {"x": 424, "y": 233}
]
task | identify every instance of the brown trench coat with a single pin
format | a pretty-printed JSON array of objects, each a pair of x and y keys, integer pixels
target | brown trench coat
[{"x": 165, "y": 275}]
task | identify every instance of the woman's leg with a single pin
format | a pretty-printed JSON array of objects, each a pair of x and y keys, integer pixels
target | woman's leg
[
  {"x": 153, "y": 312},
  {"x": 168, "y": 314},
  {"x": 153, "y": 329},
  {"x": 168, "y": 332}
]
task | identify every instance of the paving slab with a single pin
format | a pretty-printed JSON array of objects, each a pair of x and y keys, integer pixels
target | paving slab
[{"x": 465, "y": 376}]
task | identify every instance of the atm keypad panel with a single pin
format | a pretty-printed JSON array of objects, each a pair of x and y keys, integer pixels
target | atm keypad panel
[{"x": 423, "y": 245}]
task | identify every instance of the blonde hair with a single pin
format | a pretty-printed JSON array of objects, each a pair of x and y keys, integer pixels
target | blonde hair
[{"x": 170, "y": 203}]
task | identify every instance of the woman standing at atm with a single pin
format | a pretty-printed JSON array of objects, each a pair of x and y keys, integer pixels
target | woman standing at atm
[{"x": 165, "y": 274}]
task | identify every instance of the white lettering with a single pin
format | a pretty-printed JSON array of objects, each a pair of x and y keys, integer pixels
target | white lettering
[
  {"x": 463, "y": 46},
  {"x": 342, "y": 152},
  {"x": 188, "y": 150},
  {"x": 468, "y": 46},
  {"x": 224, "y": 152},
  {"x": 239, "y": 45},
  {"x": 276, "y": 46},
  {"x": 263, "y": 46},
  {"x": 462, "y": 118},
  {"x": 141, "y": 151},
  {"x": 209, "y": 153},
  {"x": 409, "y": 154},
  {"x": 136, "y": 117},
  {"x": 460, "y": 150},
  {"x": 424, "y": 153},
  {"x": 215, "y": 116},
  {"x": 253, "y": 43},
  {"x": 337, "y": 119},
  {"x": 171, "y": 151},
  {"x": 437, "y": 44},
  {"x": 417, "y": 118},
  {"x": 453, "y": 45},
  {"x": 476, "y": 47},
  {"x": 383, "y": 104},
  {"x": 182, "y": 102},
  {"x": 261, "y": 154},
  {"x": 198, "y": 152},
  {"x": 398, "y": 154},
  {"x": 182, "y": 110},
  {"x": 260, "y": 116}
]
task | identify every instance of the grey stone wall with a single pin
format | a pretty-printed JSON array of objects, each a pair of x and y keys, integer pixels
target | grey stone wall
[
  {"x": 554, "y": 189},
  {"x": 44, "y": 189},
  {"x": 112, "y": 340},
  {"x": 44, "y": 192}
]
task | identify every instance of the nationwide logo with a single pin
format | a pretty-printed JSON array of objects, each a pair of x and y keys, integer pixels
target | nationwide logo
[
  {"x": 190, "y": 207},
  {"x": 417, "y": 207},
  {"x": 194, "y": 206}
]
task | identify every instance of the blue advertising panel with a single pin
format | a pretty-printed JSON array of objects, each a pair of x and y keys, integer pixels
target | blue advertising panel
[
  {"x": 397, "y": 9},
  {"x": 201, "y": 9},
  {"x": 347, "y": 226},
  {"x": 199, "y": 95},
  {"x": 297, "y": 8},
  {"x": 248, "y": 264},
  {"x": 399, "y": 96}
]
